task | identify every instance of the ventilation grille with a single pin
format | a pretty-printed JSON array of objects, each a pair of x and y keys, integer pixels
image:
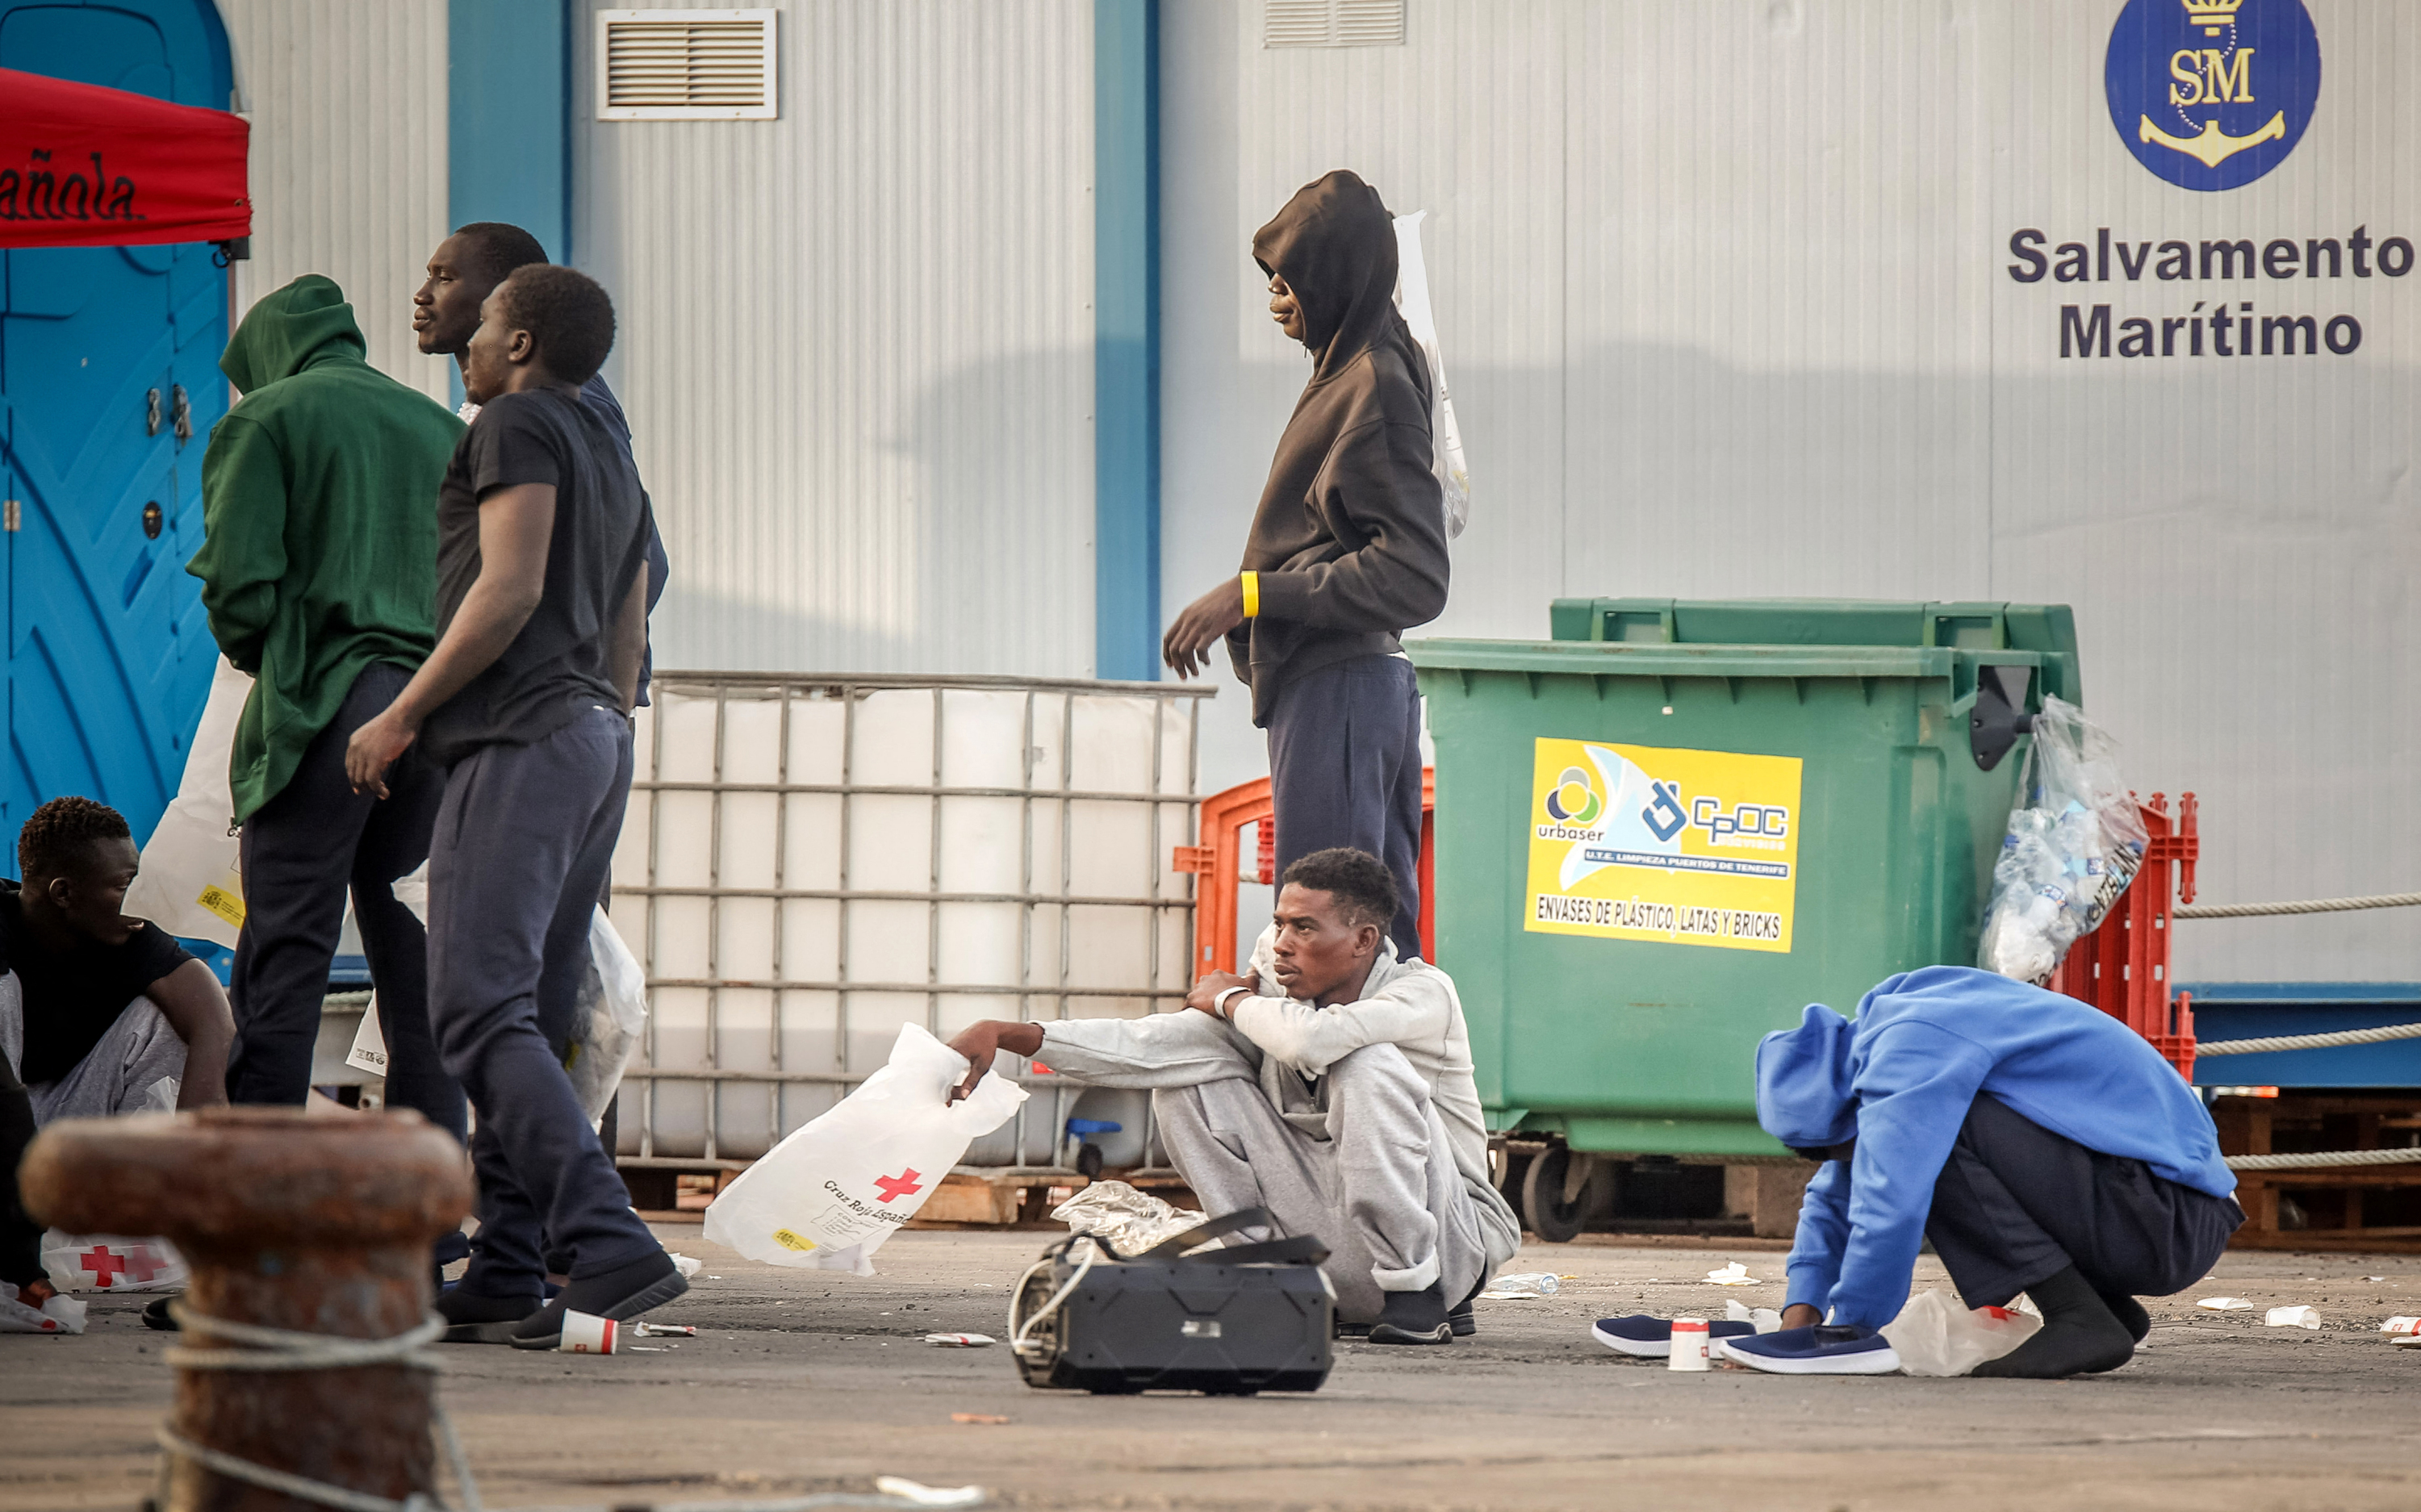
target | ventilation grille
[
  {"x": 685, "y": 65},
  {"x": 1333, "y": 23}
]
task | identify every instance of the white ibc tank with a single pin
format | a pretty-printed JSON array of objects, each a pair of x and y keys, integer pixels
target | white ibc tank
[{"x": 808, "y": 861}]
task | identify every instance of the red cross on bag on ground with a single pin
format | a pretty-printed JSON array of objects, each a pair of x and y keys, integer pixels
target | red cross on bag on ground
[
  {"x": 898, "y": 1186},
  {"x": 104, "y": 1264}
]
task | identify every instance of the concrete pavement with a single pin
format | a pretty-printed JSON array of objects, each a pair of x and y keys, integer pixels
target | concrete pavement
[{"x": 803, "y": 1381}]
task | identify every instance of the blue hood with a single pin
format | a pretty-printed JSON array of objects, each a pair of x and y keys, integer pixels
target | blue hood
[{"x": 1804, "y": 1093}]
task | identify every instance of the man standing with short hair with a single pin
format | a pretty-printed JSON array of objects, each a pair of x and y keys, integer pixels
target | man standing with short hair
[
  {"x": 1346, "y": 549},
  {"x": 542, "y": 609},
  {"x": 463, "y": 271},
  {"x": 319, "y": 571}
]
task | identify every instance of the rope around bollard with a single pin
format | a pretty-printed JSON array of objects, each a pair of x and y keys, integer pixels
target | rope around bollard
[
  {"x": 2316, "y": 905},
  {"x": 277, "y": 1348},
  {"x": 2322, "y": 1158}
]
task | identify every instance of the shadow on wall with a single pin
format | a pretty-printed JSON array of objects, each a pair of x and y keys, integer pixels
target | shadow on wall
[{"x": 962, "y": 543}]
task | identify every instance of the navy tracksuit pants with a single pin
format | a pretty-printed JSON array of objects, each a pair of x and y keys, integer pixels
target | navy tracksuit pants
[
  {"x": 522, "y": 844},
  {"x": 302, "y": 850},
  {"x": 1345, "y": 769},
  {"x": 2017, "y": 1204}
]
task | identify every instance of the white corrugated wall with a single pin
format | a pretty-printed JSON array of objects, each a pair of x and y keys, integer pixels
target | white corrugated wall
[
  {"x": 856, "y": 342},
  {"x": 1722, "y": 293},
  {"x": 347, "y": 111}
]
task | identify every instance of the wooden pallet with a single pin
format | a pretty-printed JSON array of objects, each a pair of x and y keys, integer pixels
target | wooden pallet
[{"x": 2323, "y": 1207}]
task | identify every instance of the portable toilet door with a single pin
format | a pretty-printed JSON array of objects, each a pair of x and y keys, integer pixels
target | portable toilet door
[{"x": 109, "y": 385}]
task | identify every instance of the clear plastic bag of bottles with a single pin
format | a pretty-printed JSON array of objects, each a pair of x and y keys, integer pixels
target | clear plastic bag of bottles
[{"x": 2074, "y": 844}]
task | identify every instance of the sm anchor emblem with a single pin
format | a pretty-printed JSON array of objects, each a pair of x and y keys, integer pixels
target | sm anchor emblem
[{"x": 2212, "y": 94}]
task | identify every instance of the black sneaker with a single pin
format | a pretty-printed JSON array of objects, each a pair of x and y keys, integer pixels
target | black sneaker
[
  {"x": 473, "y": 1318},
  {"x": 646, "y": 1282},
  {"x": 1462, "y": 1322},
  {"x": 1414, "y": 1317}
]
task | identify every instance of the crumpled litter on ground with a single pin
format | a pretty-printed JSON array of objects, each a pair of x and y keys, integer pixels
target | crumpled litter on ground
[
  {"x": 2401, "y": 1325},
  {"x": 960, "y": 1341},
  {"x": 1767, "y": 1320},
  {"x": 1734, "y": 1274},
  {"x": 687, "y": 1266},
  {"x": 908, "y": 1491},
  {"x": 1131, "y": 1222},
  {"x": 1522, "y": 1287},
  {"x": 2224, "y": 1304},
  {"x": 2294, "y": 1316}
]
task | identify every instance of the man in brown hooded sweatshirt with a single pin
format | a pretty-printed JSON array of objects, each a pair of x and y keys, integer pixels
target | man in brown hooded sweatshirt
[{"x": 1346, "y": 549}]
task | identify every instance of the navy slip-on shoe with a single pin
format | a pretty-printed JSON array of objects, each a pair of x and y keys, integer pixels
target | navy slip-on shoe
[
  {"x": 1820, "y": 1350},
  {"x": 1651, "y": 1339}
]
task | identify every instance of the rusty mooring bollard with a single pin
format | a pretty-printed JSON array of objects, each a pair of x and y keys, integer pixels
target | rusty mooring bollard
[{"x": 308, "y": 1226}]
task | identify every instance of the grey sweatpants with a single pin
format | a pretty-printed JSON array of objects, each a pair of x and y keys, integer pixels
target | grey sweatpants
[
  {"x": 137, "y": 1066},
  {"x": 1364, "y": 1164}
]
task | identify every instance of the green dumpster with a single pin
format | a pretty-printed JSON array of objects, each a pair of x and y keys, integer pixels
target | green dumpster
[{"x": 1664, "y": 832}]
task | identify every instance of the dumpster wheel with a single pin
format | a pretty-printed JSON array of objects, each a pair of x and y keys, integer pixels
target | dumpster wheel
[{"x": 1544, "y": 1210}]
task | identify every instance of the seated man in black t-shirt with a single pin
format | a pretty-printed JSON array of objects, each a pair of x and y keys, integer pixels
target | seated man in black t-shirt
[{"x": 99, "y": 1014}]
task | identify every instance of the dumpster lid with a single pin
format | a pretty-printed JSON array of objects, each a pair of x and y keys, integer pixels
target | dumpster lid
[{"x": 1967, "y": 627}]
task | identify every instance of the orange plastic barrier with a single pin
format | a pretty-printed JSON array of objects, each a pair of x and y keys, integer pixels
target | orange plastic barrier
[{"x": 1219, "y": 860}]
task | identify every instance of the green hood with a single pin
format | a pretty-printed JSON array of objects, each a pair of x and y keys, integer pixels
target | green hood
[{"x": 304, "y": 322}]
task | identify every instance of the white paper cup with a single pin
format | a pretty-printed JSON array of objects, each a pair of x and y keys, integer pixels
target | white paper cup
[
  {"x": 1689, "y": 1344},
  {"x": 587, "y": 1333}
]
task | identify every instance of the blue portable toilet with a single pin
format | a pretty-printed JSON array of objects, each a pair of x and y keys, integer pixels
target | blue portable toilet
[{"x": 109, "y": 385}]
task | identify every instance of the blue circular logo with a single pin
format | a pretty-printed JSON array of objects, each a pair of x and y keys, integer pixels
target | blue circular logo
[{"x": 2212, "y": 94}]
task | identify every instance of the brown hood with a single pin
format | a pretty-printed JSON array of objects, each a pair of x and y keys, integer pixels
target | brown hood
[{"x": 1335, "y": 244}]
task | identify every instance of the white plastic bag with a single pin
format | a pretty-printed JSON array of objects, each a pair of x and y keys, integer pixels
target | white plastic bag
[
  {"x": 1445, "y": 437},
  {"x": 2074, "y": 844},
  {"x": 1937, "y": 1335},
  {"x": 608, "y": 1016},
  {"x": 105, "y": 1262},
  {"x": 189, "y": 884},
  {"x": 612, "y": 1011},
  {"x": 827, "y": 1197},
  {"x": 58, "y": 1314}
]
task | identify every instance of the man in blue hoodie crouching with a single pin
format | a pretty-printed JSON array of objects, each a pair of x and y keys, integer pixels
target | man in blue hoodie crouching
[{"x": 2041, "y": 1145}]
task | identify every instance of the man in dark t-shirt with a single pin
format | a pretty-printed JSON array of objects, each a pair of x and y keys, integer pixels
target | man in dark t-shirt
[
  {"x": 99, "y": 1014},
  {"x": 541, "y": 614}
]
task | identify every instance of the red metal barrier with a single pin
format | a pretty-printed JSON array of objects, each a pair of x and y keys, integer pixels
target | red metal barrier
[
  {"x": 1220, "y": 858},
  {"x": 2122, "y": 968}
]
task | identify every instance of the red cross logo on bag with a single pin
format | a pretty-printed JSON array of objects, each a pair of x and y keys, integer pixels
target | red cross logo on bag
[
  {"x": 104, "y": 1264},
  {"x": 898, "y": 1186}
]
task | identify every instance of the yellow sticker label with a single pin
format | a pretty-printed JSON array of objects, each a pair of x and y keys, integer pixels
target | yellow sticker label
[
  {"x": 1673, "y": 847},
  {"x": 791, "y": 1242},
  {"x": 227, "y": 905}
]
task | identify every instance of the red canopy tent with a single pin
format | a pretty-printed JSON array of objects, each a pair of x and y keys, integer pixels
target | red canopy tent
[{"x": 85, "y": 167}]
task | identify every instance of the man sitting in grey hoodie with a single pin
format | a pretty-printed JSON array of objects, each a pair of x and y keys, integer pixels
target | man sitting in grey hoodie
[{"x": 1332, "y": 1086}]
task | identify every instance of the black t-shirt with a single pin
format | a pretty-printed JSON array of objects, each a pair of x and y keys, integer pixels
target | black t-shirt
[
  {"x": 72, "y": 997},
  {"x": 558, "y": 664}
]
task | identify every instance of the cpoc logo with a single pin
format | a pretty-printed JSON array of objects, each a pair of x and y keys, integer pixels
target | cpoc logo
[{"x": 2212, "y": 94}]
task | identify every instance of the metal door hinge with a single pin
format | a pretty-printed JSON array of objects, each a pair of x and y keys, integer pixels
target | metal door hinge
[
  {"x": 13, "y": 515},
  {"x": 151, "y": 411},
  {"x": 180, "y": 409}
]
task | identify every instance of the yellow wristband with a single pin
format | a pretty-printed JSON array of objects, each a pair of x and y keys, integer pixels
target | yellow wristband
[{"x": 1252, "y": 581}]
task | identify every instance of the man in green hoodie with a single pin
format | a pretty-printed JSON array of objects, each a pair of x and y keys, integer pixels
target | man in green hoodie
[{"x": 320, "y": 573}]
